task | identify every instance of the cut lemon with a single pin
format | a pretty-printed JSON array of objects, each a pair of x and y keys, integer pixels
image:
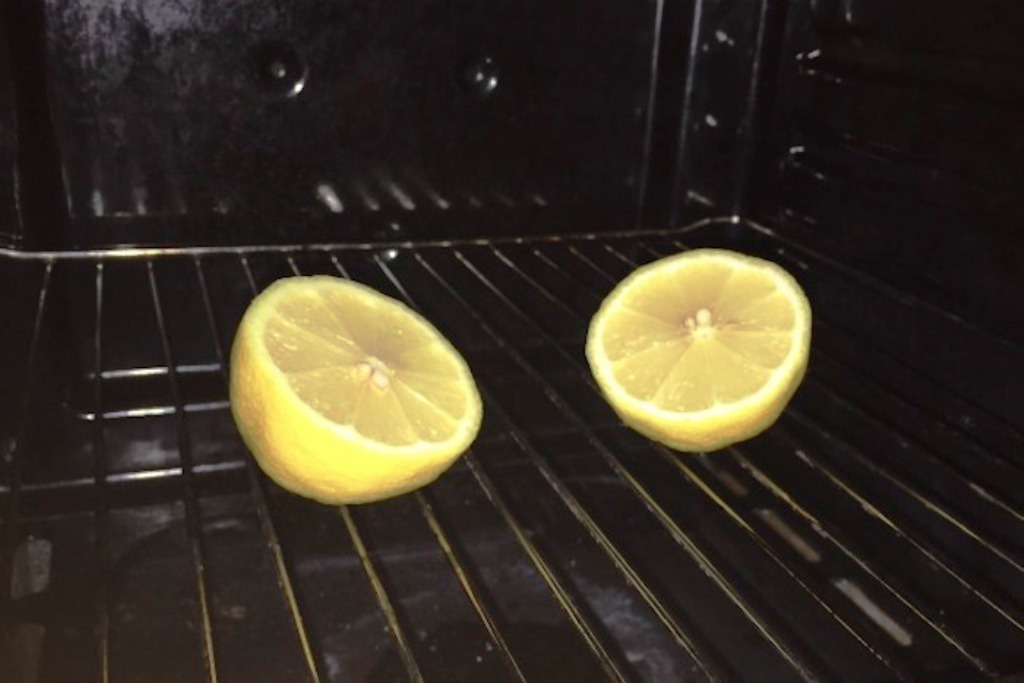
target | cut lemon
[
  {"x": 345, "y": 395},
  {"x": 702, "y": 349}
]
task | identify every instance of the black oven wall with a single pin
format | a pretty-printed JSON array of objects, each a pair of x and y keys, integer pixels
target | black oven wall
[
  {"x": 886, "y": 138},
  {"x": 250, "y": 122},
  {"x": 889, "y": 138}
]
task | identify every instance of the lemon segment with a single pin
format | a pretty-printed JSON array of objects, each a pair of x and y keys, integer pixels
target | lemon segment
[
  {"x": 701, "y": 349},
  {"x": 345, "y": 395}
]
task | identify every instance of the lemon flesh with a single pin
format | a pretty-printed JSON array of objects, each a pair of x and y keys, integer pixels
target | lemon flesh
[
  {"x": 345, "y": 395},
  {"x": 701, "y": 349}
]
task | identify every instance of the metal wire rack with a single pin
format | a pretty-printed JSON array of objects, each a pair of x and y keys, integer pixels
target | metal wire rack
[{"x": 874, "y": 534}]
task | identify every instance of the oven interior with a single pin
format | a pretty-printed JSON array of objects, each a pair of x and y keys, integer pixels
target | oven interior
[{"x": 500, "y": 166}]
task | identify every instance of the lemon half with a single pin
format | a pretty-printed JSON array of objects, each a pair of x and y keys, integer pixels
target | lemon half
[
  {"x": 701, "y": 349},
  {"x": 345, "y": 395}
]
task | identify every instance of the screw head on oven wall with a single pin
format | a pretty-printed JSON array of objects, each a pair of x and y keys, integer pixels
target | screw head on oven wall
[
  {"x": 479, "y": 75},
  {"x": 279, "y": 68}
]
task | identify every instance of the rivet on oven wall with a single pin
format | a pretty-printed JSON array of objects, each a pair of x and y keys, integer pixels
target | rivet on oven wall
[
  {"x": 479, "y": 75},
  {"x": 279, "y": 68},
  {"x": 723, "y": 37},
  {"x": 808, "y": 59}
]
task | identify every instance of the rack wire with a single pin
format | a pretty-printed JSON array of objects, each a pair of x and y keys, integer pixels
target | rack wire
[{"x": 864, "y": 537}]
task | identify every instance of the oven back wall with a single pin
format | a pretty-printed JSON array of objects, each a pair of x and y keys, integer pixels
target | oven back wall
[{"x": 203, "y": 122}]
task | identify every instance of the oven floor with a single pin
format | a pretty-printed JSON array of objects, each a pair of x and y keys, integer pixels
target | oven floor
[{"x": 876, "y": 533}]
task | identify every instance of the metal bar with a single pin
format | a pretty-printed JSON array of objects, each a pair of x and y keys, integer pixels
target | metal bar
[
  {"x": 158, "y": 411},
  {"x": 377, "y": 245},
  {"x": 652, "y": 89},
  {"x": 977, "y": 450},
  {"x": 469, "y": 588},
  {"x": 871, "y": 509},
  {"x": 981, "y": 449},
  {"x": 100, "y": 475},
  {"x": 338, "y": 266},
  {"x": 933, "y": 616},
  {"x": 383, "y": 600},
  {"x": 606, "y": 544},
  {"x": 472, "y": 593},
  {"x": 541, "y": 289},
  {"x": 404, "y": 649},
  {"x": 156, "y": 371},
  {"x": 743, "y": 168},
  {"x": 704, "y": 661},
  {"x": 676, "y": 463},
  {"x": 739, "y": 520},
  {"x": 549, "y": 576},
  {"x": 564, "y": 599},
  {"x": 933, "y": 455},
  {"x": 244, "y": 260},
  {"x": 192, "y": 513},
  {"x": 910, "y": 490},
  {"x": 787, "y": 653},
  {"x": 933, "y": 623},
  {"x": 863, "y": 564},
  {"x": 593, "y": 266},
  {"x": 985, "y": 494},
  {"x": 685, "y": 126},
  {"x": 13, "y": 521},
  {"x": 267, "y": 525},
  {"x": 701, "y": 485},
  {"x": 881, "y": 285},
  {"x": 840, "y": 483},
  {"x": 125, "y": 480},
  {"x": 901, "y": 296}
]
